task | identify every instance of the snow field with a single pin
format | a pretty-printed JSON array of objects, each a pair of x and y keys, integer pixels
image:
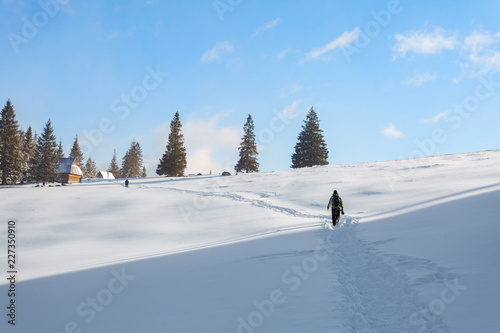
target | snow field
[{"x": 256, "y": 253}]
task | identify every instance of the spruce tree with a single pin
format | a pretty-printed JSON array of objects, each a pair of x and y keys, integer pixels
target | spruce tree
[
  {"x": 173, "y": 162},
  {"x": 132, "y": 162},
  {"x": 24, "y": 158},
  {"x": 311, "y": 148},
  {"x": 144, "y": 172},
  {"x": 11, "y": 146},
  {"x": 77, "y": 154},
  {"x": 90, "y": 169},
  {"x": 113, "y": 166},
  {"x": 60, "y": 150},
  {"x": 248, "y": 149},
  {"x": 28, "y": 151},
  {"x": 45, "y": 162}
]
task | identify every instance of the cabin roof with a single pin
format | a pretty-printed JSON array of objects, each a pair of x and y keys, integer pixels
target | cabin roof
[
  {"x": 106, "y": 175},
  {"x": 67, "y": 166}
]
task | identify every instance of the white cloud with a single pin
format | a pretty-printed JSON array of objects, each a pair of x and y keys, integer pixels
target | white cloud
[
  {"x": 486, "y": 62},
  {"x": 281, "y": 55},
  {"x": 111, "y": 36},
  {"x": 421, "y": 78},
  {"x": 391, "y": 132},
  {"x": 290, "y": 111},
  {"x": 215, "y": 52},
  {"x": 434, "y": 119},
  {"x": 293, "y": 89},
  {"x": 200, "y": 160},
  {"x": 151, "y": 163},
  {"x": 265, "y": 27},
  {"x": 423, "y": 42},
  {"x": 478, "y": 41},
  {"x": 210, "y": 146},
  {"x": 345, "y": 39},
  {"x": 482, "y": 52}
]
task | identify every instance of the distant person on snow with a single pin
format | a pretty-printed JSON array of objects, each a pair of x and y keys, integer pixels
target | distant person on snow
[
  {"x": 337, "y": 207},
  {"x": 126, "y": 183}
]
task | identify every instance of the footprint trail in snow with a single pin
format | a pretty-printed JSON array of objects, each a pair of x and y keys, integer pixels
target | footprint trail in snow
[{"x": 375, "y": 296}]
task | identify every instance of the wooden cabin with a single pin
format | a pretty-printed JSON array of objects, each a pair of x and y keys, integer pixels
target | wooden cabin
[
  {"x": 69, "y": 172},
  {"x": 105, "y": 175}
]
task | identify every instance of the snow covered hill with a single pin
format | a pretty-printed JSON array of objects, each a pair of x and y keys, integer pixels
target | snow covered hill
[{"x": 417, "y": 251}]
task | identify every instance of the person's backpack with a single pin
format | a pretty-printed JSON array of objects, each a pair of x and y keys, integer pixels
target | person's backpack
[{"x": 336, "y": 201}]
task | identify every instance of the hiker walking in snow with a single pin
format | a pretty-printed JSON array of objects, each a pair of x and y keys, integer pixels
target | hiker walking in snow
[{"x": 337, "y": 207}]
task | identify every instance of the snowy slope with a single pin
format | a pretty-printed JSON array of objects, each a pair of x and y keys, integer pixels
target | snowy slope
[{"x": 417, "y": 251}]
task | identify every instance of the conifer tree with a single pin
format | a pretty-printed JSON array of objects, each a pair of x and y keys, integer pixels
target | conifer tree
[
  {"x": 45, "y": 162},
  {"x": 90, "y": 169},
  {"x": 113, "y": 166},
  {"x": 132, "y": 162},
  {"x": 173, "y": 162},
  {"x": 28, "y": 151},
  {"x": 24, "y": 163},
  {"x": 144, "y": 172},
  {"x": 11, "y": 146},
  {"x": 248, "y": 149},
  {"x": 77, "y": 154},
  {"x": 60, "y": 150},
  {"x": 311, "y": 148}
]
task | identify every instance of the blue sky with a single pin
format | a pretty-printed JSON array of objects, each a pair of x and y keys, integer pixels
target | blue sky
[{"x": 388, "y": 79}]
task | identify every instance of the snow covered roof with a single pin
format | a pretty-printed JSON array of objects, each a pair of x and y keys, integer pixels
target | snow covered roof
[
  {"x": 105, "y": 175},
  {"x": 67, "y": 166}
]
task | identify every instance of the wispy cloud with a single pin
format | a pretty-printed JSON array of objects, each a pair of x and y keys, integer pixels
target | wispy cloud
[
  {"x": 216, "y": 52},
  {"x": 111, "y": 36},
  {"x": 269, "y": 25},
  {"x": 483, "y": 50},
  {"x": 391, "y": 132},
  {"x": 290, "y": 111},
  {"x": 486, "y": 62},
  {"x": 292, "y": 89},
  {"x": 424, "y": 42},
  {"x": 434, "y": 119},
  {"x": 479, "y": 50},
  {"x": 419, "y": 79},
  {"x": 297, "y": 87},
  {"x": 286, "y": 52},
  {"x": 477, "y": 41},
  {"x": 344, "y": 39},
  {"x": 281, "y": 55}
]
